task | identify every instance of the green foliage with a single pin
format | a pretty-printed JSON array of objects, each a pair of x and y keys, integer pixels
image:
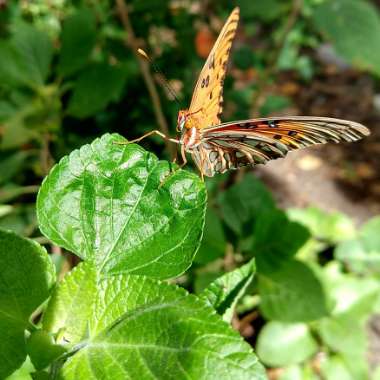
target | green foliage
[
  {"x": 78, "y": 41},
  {"x": 224, "y": 293},
  {"x": 26, "y": 57},
  {"x": 66, "y": 77},
  {"x": 282, "y": 344},
  {"x": 119, "y": 205},
  {"x": 362, "y": 255},
  {"x": 27, "y": 276},
  {"x": 354, "y": 28},
  {"x": 162, "y": 330},
  {"x": 91, "y": 95},
  {"x": 100, "y": 195},
  {"x": 292, "y": 294},
  {"x": 239, "y": 208},
  {"x": 213, "y": 243}
]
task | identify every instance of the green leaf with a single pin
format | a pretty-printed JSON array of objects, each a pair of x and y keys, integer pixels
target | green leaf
[
  {"x": 332, "y": 227},
  {"x": 290, "y": 236},
  {"x": 27, "y": 275},
  {"x": 344, "y": 334},
  {"x": 24, "y": 372},
  {"x": 292, "y": 293},
  {"x": 213, "y": 243},
  {"x": 11, "y": 164},
  {"x": 354, "y": 29},
  {"x": 280, "y": 344},
  {"x": 78, "y": 41},
  {"x": 334, "y": 368},
  {"x": 244, "y": 202},
  {"x": 141, "y": 328},
  {"x": 42, "y": 350},
  {"x": 99, "y": 85},
  {"x": 13, "y": 71},
  {"x": 35, "y": 49},
  {"x": 345, "y": 331},
  {"x": 26, "y": 57},
  {"x": 362, "y": 255},
  {"x": 369, "y": 235},
  {"x": 120, "y": 206},
  {"x": 224, "y": 293},
  {"x": 293, "y": 372},
  {"x": 70, "y": 305},
  {"x": 348, "y": 292},
  {"x": 267, "y": 11}
]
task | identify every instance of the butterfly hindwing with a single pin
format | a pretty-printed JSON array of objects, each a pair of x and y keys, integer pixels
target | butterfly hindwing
[
  {"x": 256, "y": 141},
  {"x": 207, "y": 98}
]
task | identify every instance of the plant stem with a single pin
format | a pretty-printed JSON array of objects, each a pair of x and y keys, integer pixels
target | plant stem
[
  {"x": 262, "y": 82},
  {"x": 131, "y": 42}
]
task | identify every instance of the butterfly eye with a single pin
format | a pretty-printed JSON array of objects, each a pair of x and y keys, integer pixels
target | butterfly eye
[{"x": 181, "y": 123}]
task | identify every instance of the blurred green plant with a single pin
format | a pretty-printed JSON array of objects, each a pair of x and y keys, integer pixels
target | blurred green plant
[{"x": 68, "y": 74}]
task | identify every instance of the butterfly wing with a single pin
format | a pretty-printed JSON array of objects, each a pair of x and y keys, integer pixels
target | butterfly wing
[
  {"x": 256, "y": 141},
  {"x": 207, "y": 97}
]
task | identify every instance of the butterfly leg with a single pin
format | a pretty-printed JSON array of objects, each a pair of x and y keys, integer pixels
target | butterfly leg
[
  {"x": 154, "y": 132},
  {"x": 183, "y": 155}
]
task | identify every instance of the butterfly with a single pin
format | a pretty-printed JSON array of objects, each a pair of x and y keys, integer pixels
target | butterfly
[{"x": 217, "y": 147}]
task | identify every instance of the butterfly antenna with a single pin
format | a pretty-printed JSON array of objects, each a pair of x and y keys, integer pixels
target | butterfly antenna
[{"x": 160, "y": 75}]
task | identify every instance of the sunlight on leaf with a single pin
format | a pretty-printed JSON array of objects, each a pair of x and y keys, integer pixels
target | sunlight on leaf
[{"x": 119, "y": 205}]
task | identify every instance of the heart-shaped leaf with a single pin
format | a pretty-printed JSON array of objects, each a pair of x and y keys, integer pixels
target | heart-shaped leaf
[
  {"x": 141, "y": 328},
  {"x": 292, "y": 293},
  {"x": 120, "y": 206}
]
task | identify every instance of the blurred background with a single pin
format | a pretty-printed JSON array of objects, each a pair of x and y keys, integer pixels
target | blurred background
[{"x": 69, "y": 73}]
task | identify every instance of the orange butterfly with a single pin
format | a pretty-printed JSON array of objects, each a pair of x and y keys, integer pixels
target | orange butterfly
[{"x": 217, "y": 147}]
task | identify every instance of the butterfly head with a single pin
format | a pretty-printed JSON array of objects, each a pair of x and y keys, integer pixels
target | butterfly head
[{"x": 182, "y": 120}]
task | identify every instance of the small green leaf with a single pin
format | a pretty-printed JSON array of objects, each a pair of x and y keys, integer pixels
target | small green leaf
[
  {"x": 70, "y": 305},
  {"x": 292, "y": 293},
  {"x": 332, "y": 227},
  {"x": 96, "y": 87},
  {"x": 334, "y": 368},
  {"x": 42, "y": 350},
  {"x": 27, "y": 275},
  {"x": 224, "y": 293},
  {"x": 280, "y": 344},
  {"x": 344, "y": 334},
  {"x": 244, "y": 202},
  {"x": 35, "y": 49},
  {"x": 290, "y": 236},
  {"x": 78, "y": 41},
  {"x": 354, "y": 29},
  {"x": 213, "y": 243},
  {"x": 120, "y": 206},
  {"x": 141, "y": 328},
  {"x": 362, "y": 255},
  {"x": 26, "y": 57}
]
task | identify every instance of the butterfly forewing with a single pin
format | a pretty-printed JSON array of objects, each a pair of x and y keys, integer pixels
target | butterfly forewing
[
  {"x": 256, "y": 141},
  {"x": 208, "y": 93}
]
